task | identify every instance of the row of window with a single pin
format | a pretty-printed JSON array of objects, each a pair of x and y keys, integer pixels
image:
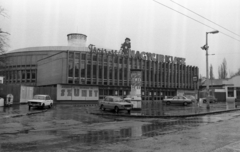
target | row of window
[
  {"x": 122, "y": 73},
  {"x": 19, "y": 76},
  {"x": 123, "y": 60},
  {"x": 231, "y": 91},
  {"x": 14, "y": 66}
]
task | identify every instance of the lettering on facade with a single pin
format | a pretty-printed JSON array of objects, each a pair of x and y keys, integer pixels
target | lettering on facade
[
  {"x": 77, "y": 92},
  {"x": 140, "y": 55}
]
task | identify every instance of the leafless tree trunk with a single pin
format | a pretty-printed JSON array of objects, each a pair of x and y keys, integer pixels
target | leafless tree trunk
[
  {"x": 211, "y": 72},
  {"x": 3, "y": 41},
  {"x": 222, "y": 70}
]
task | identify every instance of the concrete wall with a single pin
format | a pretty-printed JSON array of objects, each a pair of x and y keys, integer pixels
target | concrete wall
[{"x": 52, "y": 70}]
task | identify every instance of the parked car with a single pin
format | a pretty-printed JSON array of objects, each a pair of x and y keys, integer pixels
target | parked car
[
  {"x": 178, "y": 100},
  {"x": 41, "y": 101},
  {"x": 115, "y": 103},
  {"x": 211, "y": 99},
  {"x": 191, "y": 97}
]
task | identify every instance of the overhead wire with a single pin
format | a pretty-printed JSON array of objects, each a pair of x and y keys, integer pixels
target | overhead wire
[
  {"x": 195, "y": 20},
  {"x": 204, "y": 18}
]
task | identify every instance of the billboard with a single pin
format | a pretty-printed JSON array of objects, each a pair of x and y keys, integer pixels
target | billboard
[
  {"x": 136, "y": 82},
  {"x": 81, "y": 93}
]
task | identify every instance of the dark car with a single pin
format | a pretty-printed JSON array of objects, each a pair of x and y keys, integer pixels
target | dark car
[{"x": 211, "y": 99}]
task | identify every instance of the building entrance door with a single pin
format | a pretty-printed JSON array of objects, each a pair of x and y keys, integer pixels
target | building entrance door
[{"x": 238, "y": 93}]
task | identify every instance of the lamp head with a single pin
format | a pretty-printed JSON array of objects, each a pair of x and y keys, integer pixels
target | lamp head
[{"x": 214, "y": 32}]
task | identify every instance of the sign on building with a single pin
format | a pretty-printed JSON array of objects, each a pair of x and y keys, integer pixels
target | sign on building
[{"x": 81, "y": 93}]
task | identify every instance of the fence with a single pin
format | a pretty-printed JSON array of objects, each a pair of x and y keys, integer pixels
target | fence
[{"x": 51, "y": 91}]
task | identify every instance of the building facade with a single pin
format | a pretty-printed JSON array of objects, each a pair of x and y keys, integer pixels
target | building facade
[{"x": 107, "y": 70}]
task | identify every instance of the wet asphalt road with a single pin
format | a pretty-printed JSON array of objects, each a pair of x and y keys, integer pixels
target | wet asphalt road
[{"x": 73, "y": 128}]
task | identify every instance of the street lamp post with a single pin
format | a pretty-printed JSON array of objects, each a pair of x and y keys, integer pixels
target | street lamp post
[{"x": 205, "y": 47}]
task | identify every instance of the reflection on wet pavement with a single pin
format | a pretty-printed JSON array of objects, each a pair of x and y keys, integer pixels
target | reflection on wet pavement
[
  {"x": 107, "y": 136},
  {"x": 176, "y": 110},
  {"x": 68, "y": 125}
]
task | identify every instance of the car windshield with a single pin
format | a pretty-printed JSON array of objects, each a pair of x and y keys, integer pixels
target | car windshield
[
  {"x": 118, "y": 99},
  {"x": 190, "y": 97},
  {"x": 39, "y": 97}
]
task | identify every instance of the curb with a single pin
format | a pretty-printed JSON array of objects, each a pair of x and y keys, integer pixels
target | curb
[
  {"x": 166, "y": 116},
  {"x": 26, "y": 114}
]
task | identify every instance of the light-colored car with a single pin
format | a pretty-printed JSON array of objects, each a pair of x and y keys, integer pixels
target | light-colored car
[
  {"x": 115, "y": 103},
  {"x": 40, "y": 101},
  {"x": 178, "y": 100},
  {"x": 190, "y": 97},
  {"x": 211, "y": 99}
]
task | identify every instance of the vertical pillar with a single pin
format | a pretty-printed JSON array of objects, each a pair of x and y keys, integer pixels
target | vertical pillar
[
  {"x": 113, "y": 70},
  {"x": 123, "y": 71},
  {"x": 118, "y": 70},
  {"x": 80, "y": 66},
  {"x": 161, "y": 74},
  {"x": 91, "y": 72},
  {"x": 86, "y": 70},
  {"x": 153, "y": 74},
  {"x": 128, "y": 72},
  {"x": 97, "y": 74},
  {"x": 182, "y": 76},
  {"x": 67, "y": 73},
  {"x": 73, "y": 77},
  {"x": 157, "y": 73},
  {"x": 178, "y": 75},
  {"x": 165, "y": 75},
  {"x": 103, "y": 56},
  {"x": 149, "y": 73},
  {"x": 108, "y": 69}
]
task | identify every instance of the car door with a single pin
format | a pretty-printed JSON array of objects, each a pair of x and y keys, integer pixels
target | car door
[
  {"x": 175, "y": 99},
  {"x": 105, "y": 102},
  {"x": 182, "y": 100},
  {"x": 111, "y": 103},
  {"x": 47, "y": 100}
]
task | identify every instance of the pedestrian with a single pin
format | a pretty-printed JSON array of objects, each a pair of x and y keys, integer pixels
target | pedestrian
[{"x": 126, "y": 46}]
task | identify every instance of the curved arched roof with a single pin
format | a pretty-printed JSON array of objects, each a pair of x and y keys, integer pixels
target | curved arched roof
[{"x": 49, "y": 48}]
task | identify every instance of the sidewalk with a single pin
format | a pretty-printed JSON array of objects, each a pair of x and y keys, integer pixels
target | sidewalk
[
  {"x": 175, "y": 111},
  {"x": 17, "y": 111}
]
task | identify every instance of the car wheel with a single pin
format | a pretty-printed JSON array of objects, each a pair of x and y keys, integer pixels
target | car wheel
[
  {"x": 51, "y": 105},
  {"x": 129, "y": 111},
  {"x": 29, "y": 107},
  {"x": 168, "y": 102},
  {"x": 43, "y": 106},
  {"x": 185, "y": 103},
  {"x": 116, "y": 109}
]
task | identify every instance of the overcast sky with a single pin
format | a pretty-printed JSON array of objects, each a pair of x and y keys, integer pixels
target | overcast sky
[{"x": 150, "y": 26}]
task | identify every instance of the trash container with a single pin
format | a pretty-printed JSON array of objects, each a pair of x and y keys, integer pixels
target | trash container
[
  {"x": 1, "y": 102},
  {"x": 9, "y": 100}
]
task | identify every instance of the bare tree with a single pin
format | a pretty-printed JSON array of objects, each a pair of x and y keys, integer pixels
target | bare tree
[
  {"x": 3, "y": 41},
  {"x": 211, "y": 72},
  {"x": 222, "y": 70},
  {"x": 3, "y": 34}
]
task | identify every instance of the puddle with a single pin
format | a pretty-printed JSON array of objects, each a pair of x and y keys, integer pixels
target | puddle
[{"x": 68, "y": 137}]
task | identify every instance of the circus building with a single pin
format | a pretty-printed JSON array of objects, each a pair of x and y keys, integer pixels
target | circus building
[{"x": 79, "y": 72}]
